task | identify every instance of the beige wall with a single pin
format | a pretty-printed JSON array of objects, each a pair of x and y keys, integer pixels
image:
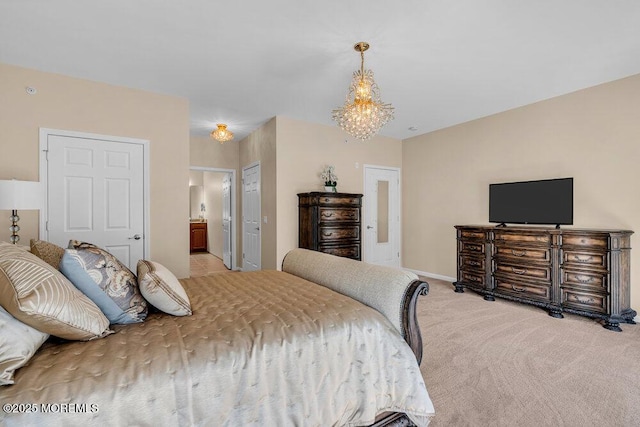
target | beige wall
[
  {"x": 592, "y": 135},
  {"x": 303, "y": 149},
  {"x": 68, "y": 103},
  {"x": 260, "y": 146},
  {"x": 205, "y": 152}
]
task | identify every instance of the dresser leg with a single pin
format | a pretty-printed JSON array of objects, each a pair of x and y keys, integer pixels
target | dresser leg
[
  {"x": 459, "y": 288},
  {"x": 556, "y": 313},
  {"x": 488, "y": 297},
  {"x": 612, "y": 326},
  {"x": 628, "y": 316}
]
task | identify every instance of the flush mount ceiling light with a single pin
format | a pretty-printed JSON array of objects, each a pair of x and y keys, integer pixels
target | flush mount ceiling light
[
  {"x": 363, "y": 113},
  {"x": 222, "y": 134}
]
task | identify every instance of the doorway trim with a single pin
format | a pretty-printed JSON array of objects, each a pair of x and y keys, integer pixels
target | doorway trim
[
  {"x": 44, "y": 173},
  {"x": 234, "y": 201},
  {"x": 365, "y": 169}
]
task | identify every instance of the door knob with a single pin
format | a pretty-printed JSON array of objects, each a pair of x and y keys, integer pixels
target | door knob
[
  {"x": 135, "y": 237},
  {"x": 369, "y": 227}
]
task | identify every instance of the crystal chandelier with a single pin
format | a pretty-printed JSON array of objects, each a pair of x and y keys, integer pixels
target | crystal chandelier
[
  {"x": 363, "y": 113},
  {"x": 222, "y": 134}
]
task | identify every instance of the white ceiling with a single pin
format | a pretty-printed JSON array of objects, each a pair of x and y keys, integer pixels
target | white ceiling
[{"x": 439, "y": 62}]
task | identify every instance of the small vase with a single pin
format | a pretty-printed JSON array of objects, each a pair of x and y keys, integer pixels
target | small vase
[{"x": 330, "y": 189}]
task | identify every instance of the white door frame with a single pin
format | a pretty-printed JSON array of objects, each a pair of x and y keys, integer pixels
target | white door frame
[
  {"x": 366, "y": 167},
  {"x": 44, "y": 169},
  {"x": 244, "y": 168},
  {"x": 234, "y": 220}
]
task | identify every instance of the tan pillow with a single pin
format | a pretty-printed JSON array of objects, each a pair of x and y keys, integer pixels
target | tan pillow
[
  {"x": 18, "y": 342},
  {"x": 48, "y": 252},
  {"x": 39, "y": 295},
  {"x": 162, "y": 289}
]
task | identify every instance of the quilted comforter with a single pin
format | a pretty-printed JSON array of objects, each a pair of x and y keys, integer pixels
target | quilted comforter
[{"x": 261, "y": 349}]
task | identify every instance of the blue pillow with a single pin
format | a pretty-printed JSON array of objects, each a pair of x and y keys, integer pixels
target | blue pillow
[{"x": 105, "y": 281}]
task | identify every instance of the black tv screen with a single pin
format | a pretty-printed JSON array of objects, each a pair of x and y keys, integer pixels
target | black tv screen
[{"x": 548, "y": 201}]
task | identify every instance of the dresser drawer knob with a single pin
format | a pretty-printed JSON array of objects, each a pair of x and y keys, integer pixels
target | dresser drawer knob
[
  {"x": 518, "y": 289},
  {"x": 518, "y": 253},
  {"x": 577, "y": 258},
  {"x": 325, "y": 234},
  {"x": 584, "y": 279},
  {"x": 327, "y": 214},
  {"x": 518, "y": 271}
]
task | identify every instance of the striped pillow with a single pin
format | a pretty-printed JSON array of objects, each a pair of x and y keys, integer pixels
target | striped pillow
[
  {"x": 38, "y": 295},
  {"x": 160, "y": 287}
]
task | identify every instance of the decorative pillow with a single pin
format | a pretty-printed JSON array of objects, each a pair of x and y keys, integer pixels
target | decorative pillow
[
  {"x": 39, "y": 295},
  {"x": 18, "y": 342},
  {"x": 108, "y": 283},
  {"x": 48, "y": 252},
  {"x": 162, "y": 289}
]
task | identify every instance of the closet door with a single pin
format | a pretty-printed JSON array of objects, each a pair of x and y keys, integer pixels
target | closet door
[{"x": 95, "y": 193}]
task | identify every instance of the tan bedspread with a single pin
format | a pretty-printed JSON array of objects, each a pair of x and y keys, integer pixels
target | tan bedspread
[{"x": 261, "y": 349}]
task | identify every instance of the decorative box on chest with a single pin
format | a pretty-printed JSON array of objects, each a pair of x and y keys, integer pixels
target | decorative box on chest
[{"x": 330, "y": 222}]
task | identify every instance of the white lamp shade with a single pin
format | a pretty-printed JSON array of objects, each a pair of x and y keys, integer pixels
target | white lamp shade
[{"x": 20, "y": 195}]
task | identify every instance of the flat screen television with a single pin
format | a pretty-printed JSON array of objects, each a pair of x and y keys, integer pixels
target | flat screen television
[{"x": 548, "y": 201}]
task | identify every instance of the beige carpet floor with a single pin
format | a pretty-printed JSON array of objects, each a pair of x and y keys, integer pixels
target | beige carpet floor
[{"x": 505, "y": 364}]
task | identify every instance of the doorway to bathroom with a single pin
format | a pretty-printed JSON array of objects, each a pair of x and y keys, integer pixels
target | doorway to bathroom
[{"x": 212, "y": 220}]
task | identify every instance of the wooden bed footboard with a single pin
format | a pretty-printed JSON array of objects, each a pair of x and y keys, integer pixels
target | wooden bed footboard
[{"x": 410, "y": 324}]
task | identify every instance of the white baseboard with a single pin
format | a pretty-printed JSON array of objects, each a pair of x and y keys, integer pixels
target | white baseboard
[{"x": 433, "y": 275}]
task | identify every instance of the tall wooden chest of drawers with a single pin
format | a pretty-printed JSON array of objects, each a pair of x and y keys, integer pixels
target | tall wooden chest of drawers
[
  {"x": 331, "y": 223},
  {"x": 583, "y": 272}
]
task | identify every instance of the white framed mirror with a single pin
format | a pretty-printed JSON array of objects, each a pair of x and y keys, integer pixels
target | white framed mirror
[{"x": 196, "y": 202}]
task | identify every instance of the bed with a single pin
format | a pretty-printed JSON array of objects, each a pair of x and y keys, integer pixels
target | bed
[{"x": 326, "y": 341}]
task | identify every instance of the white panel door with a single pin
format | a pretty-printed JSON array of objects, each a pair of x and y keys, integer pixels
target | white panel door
[
  {"x": 382, "y": 216},
  {"x": 95, "y": 193},
  {"x": 251, "y": 218},
  {"x": 226, "y": 221}
]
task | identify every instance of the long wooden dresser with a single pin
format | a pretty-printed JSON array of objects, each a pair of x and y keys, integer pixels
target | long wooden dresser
[
  {"x": 585, "y": 272},
  {"x": 330, "y": 222}
]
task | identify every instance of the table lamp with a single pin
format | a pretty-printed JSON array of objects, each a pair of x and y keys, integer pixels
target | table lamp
[{"x": 15, "y": 195}]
